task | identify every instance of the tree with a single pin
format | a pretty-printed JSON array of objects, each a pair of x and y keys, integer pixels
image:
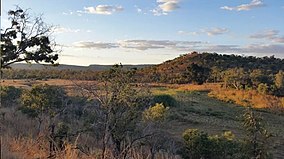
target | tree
[
  {"x": 258, "y": 76},
  {"x": 257, "y": 135},
  {"x": 237, "y": 78},
  {"x": 27, "y": 39},
  {"x": 43, "y": 101},
  {"x": 117, "y": 117}
]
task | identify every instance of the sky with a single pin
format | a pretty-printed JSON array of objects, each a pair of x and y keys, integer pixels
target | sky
[{"x": 154, "y": 31}]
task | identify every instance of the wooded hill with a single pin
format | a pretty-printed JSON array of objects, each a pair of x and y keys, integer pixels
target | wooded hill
[
  {"x": 222, "y": 62},
  {"x": 209, "y": 67}
]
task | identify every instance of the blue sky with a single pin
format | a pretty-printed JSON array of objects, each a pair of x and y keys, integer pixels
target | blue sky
[{"x": 153, "y": 31}]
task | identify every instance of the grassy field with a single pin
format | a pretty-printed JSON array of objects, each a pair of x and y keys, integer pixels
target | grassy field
[
  {"x": 191, "y": 107},
  {"x": 195, "y": 109}
]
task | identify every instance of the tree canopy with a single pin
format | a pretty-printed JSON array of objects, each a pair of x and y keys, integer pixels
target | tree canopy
[{"x": 27, "y": 39}]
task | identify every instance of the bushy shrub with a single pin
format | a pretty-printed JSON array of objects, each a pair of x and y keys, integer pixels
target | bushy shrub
[
  {"x": 199, "y": 144},
  {"x": 156, "y": 112}
]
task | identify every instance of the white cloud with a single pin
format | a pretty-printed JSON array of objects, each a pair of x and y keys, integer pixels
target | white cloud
[
  {"x": 279, "y": 39},
  {"x": 181, "y": 32},
  {"x": 209, "y": 32},
  {"x": 221, "y": 48},
  {"x": 268, "y": 34},
  {"x": 215, "y": 31},
  {"x": 157, "y": 44},
  {"x": 102, "y": 9},
  {"x": 68, "y": 13},
  {"x": 271, "y": 35},
  {"x": 139, "y": 10},
  {"x": 245, "y": 7},
  {"x": 78, "y": 13},
  {"x": 185, "y": 46},
  {"x": 169, "y": 5},
  {"x": 165, "y": 6},
  {"x": 253, "y": 49},
  {"x": 59, "y": 30},
  {"x": 95, "y": 45},
  {"x": 139, "y": 44},
  {"x": 264, "y": 49}
]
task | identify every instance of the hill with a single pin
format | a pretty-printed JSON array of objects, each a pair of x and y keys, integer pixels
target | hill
[
  {"x": 174, "y": 71},
  {"x": 220, "y": 61}
]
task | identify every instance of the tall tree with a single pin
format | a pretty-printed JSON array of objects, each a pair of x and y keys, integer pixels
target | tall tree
[{"x": 27, "y": 39}]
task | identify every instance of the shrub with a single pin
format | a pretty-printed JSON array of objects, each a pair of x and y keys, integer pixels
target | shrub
[
  {"x": 262, "y": 88},
  {"x": 201, "y": 145},
  {"x": 166, "y": 99},
  {"x": 156, "y": 112}
]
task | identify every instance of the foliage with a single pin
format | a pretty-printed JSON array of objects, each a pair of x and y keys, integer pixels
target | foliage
[
  {"x": 197, "y": 74},
  {"x": 156, "y": 112},
  {"x": 236, "y": 77},
  {"x": 201, "y": 145},
  {"x": 26, "y": 39},
  {"x": 259, "y": 76},
  {"x": 279, "y": 80},
  {"x": 257, "y": 135},
  {"x": 279, "y": 83},
  {"x": 42, "y": 99},
  {"x": 174, "y": 71},
  {"x": 262, "y": 88},
  {"x": 9, "y": 95}
]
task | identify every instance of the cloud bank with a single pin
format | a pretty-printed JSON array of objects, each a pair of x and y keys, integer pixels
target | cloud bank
[{"x": 271, "y": 35}]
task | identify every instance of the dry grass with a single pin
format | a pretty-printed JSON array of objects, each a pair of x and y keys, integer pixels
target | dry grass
[
  {"x": 27, "y": 148},
  {"x": 248, "y": 98},
  {"x": 203, "y": 87}
]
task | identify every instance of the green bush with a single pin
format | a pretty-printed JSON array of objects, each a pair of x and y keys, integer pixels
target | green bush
[{"x": 200, "y": 145}]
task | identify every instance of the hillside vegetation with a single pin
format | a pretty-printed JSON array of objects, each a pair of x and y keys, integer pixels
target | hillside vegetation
[{"x": 210, "y": 67}]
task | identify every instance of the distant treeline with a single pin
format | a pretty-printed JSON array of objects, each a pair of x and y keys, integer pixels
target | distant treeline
[
  {"x": 50, "y": 74},
  {"x": 240, "y": 72}
]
